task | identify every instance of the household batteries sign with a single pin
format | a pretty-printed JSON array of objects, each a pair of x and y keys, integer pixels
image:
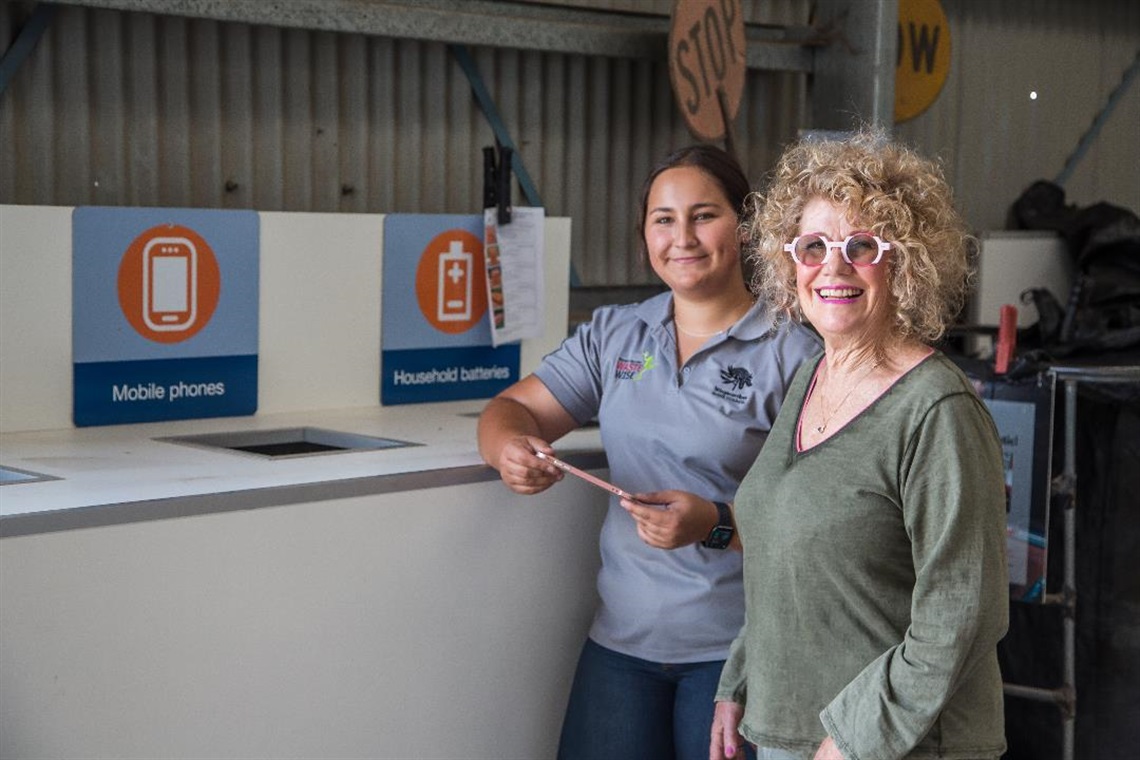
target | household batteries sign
[
  {"x": 435, "y": 333},
  {"x": 165, "y": 306}
]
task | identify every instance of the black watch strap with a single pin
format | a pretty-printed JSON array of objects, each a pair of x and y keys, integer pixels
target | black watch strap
[{"x": 721, "y": 534}]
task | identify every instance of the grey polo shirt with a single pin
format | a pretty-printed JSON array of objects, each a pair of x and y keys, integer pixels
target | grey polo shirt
[{"x": 696, "y": 428}]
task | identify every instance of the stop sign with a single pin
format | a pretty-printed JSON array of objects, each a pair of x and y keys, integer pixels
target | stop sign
[{"x": 707, "y": 63}]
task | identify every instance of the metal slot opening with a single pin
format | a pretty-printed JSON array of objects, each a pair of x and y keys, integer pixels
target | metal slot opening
[
  {"x": 10, "y": 476},
  {"x": 288, "y": 442}
]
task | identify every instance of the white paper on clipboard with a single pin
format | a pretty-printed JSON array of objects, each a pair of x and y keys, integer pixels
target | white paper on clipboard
[{"x": 514, "y": 256}]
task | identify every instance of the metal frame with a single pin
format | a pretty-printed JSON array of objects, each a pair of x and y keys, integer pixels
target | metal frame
[
  {"x": 1065, "y": 484},
  {"x": 490, "y": 23}
]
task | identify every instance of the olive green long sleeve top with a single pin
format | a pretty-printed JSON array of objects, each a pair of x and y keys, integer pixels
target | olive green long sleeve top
[{"x": 875, "y": 578}]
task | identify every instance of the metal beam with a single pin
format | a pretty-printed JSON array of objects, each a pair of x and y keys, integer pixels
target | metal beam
[
  {"x": 498, "y": 126},
  {"x": 1089, "y": 137},
  {"x": 488, "y": 23},
  {"x": 25, "y": 43},
  {"x": 853, "y": 79}
]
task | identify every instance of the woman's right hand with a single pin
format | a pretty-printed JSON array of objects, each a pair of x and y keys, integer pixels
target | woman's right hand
[
  {"x": 522, "y": 471},
  {"x": 726, "y": 742},
  {"x": 521, "y": 420}
]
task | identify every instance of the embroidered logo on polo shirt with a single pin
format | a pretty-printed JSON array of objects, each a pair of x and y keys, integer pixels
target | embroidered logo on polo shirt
[
  {"x": 737, "y": 379},
  {"x": 632, "y": 369}
]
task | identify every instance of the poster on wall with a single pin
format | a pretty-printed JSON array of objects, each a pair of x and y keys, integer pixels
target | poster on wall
[
  {"x": 164, "y": 314},
  {"x": 1023, "y": 413},
  {"x": 435, "y": 337}
]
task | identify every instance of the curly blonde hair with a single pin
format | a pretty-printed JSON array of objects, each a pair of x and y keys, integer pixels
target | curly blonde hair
[{"x": 883, "y": 187}]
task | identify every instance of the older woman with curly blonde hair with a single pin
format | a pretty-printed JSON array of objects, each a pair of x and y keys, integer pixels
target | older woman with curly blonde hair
[
  {"x": 873, "y": 521},
  {"x": 905, "y": 195}
]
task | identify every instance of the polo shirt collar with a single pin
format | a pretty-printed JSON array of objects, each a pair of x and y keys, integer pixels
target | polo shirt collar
[{"x": 657, "y": 311}]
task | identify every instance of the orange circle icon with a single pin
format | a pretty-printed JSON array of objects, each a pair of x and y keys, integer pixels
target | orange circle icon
[
  {"x": 169, "y": 283},
  {"x": 923, "y": 57},
  {"x": 451, "y": 286}
]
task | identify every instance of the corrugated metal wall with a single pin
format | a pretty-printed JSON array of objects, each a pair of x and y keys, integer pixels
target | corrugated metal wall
[
  {"x": 119, "y": 108},
  {"x": 996, "y": 141},
  {"x": 123, "y": 108}
]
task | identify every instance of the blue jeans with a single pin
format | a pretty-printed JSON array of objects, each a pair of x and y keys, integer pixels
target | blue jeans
[{"x": 624, "y": 707}]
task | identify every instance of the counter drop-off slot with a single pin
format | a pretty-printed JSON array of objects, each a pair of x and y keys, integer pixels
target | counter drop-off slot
[
  {"x": 11, "y": 476},
  {"x": 288, "y": 442}
]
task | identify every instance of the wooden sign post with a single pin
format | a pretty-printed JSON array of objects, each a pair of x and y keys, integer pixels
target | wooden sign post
[{"x": 707, "y": 64}]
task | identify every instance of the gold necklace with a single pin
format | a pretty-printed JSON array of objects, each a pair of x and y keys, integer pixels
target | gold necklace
[
  {"x": 823, "y": 402},
  {"x": 695, "y": 334},
  {"x": 708, "y": 334}
]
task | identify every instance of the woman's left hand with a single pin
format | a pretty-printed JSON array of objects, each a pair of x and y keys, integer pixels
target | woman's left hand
[
  {"x": 671, "y": 519},
  {"x": 828, "y": 751},
  {"x": 726, "y": 741}
]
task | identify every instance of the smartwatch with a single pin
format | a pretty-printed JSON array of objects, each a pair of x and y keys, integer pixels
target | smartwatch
[{"x": 721, "y": 534}]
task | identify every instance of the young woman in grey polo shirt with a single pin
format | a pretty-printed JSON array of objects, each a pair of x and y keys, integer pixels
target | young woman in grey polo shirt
[{"x": 685, "y": 387}]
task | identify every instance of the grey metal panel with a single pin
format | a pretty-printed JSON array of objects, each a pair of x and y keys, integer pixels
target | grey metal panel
[
  {"x": 118, "y": 108},
  {"x": 124, "y": 108},
  {"x": 995, "y": 141},
  {"x": 172, "y": 110}
]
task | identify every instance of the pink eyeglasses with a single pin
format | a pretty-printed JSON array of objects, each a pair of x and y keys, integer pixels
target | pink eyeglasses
[{"x": 859, "y": 249}]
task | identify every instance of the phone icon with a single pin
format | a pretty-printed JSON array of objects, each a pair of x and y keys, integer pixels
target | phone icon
[
  {"x": 454, "y": 303},
  {"x": 170, "y": 284}
]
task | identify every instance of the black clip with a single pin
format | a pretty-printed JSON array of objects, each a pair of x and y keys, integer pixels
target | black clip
[{"x": 497, "y": 181}]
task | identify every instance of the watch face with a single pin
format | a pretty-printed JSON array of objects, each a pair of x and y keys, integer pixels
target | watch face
[{"x": 719, "y": 538}]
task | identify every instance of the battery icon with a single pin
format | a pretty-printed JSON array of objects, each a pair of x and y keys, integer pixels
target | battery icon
[{"x": 454, "y": 303}]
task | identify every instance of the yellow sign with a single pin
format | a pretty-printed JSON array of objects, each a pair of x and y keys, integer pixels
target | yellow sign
[
  {"x": 923, "y": 56},
  {"x": 707, "y": 63}
]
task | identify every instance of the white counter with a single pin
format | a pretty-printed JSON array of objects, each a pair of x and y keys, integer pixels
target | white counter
[
  {"x": 163, "y": 600},
  {"x": 129, "y": 474}
]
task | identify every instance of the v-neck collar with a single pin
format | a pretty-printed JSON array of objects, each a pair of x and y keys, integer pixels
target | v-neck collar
[{"x": 799, "y": 450}]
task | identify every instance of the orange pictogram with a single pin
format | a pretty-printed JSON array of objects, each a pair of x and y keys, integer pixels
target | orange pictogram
[
  {"x": 451, "y": 282},
  {"x": 168, "y": 283}
]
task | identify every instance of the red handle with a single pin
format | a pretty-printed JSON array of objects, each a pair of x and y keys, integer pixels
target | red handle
[{"x": 1007, "y": 339}]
